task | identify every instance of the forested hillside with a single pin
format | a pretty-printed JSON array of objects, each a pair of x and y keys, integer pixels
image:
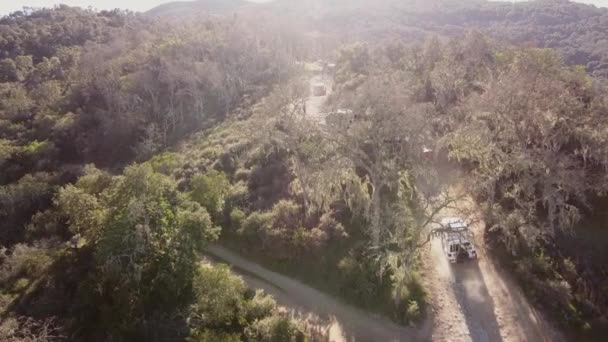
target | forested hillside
[
  {"x": 576, "y": 30},
  {"x": 114, "y": 255},
  {"x": 195, "y": 8},
  {"x": 530, "y": 134}
]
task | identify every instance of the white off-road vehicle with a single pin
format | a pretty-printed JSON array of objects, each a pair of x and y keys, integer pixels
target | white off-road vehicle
[
  {"x": 319, "y": 89},
  {"x": 457, "y": 240}
]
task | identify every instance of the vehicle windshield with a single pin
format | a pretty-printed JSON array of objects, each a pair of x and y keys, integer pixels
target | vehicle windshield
[{"x": 458, "y": 225}]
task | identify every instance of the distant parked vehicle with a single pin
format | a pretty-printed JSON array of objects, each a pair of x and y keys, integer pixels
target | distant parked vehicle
[
  {"x": 457, "y": 240},
  {"x": 319, "y": 90},
  {"x": 427, "y": 152},
  {"x": 341, "y": 118},
  {"x": 330, "y": 68}
]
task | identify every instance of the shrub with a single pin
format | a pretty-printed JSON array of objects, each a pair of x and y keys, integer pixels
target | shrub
[
  {"x": 210, "y": 190},
  {"x": 94, "y": 181},
  {"x": 570, "y": 272},
  {"x": 413, "y": 311},
  {"x": 257, "y": 223},
  {"x": 359, "y": 281},
  {"x": 208, "y": 335},
  {"x": 286, "y": 214},
  {"x": 212, "y": 153},
  {"x": 559, "y": 291},
  {"x": 238, "y": 195},
  {"x": 7, "y": 149},
  {"x": 334, "y": 229},
  {"x": 273, "y": 329},
  {"x": 147, "y": 250},
  {"x": 308, "y": 239},
  {"x": 20, "y": 285},
  {"x": 19, "y": 201},
  {"x": 26, "y": 261},
  {"x": 237, "y": 217},
  {"x": 242, "y": 175},
  {"x": 166, "y": 162},
  {"x": 85, "y": 214},
  {"x": 416, "y": 289},
  {"x": 283, "y": 228},
  {"x": 224, "y": 305},
  {"x": 260, "y": 306},
  {"x": 36, "y": 147},
  {"x": 541, "y": 265},
  {"x": 44, "y": 224},
  {"x": 226, "y": 163},
  {"x": 219, "y": 297},
  {"x": 27, "y": 329},
  {"x": 8, "y": 328}
]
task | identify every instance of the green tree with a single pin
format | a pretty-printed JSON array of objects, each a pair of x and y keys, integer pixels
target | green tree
[
  {"x": 209, "y": 190},
  {"x": 8, "y": 70},
  {"x": 536, "y": 138},
  {"x": 86, "y": 214},
  {"x": 225, "y": 310},
  {"x": 219, "y": 298},
  {"x": 148, "y": 247}
]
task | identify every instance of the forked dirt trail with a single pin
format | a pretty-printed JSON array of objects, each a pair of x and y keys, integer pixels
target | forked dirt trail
[
  {"x": 473, "y": 301},
  {"x": 339, "y": 321},
  {"x": 476, "y": 301}
]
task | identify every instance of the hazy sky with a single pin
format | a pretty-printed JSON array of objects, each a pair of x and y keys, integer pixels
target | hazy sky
[
  {"x": 7, "y": 6},
  {"x": 598, "y": 3}
]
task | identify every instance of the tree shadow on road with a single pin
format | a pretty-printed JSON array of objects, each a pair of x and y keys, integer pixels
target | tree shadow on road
[{"x": 474, "y": 299}]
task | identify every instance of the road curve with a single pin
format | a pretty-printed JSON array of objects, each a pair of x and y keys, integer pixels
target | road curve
[{"x": 341, "y": 322}]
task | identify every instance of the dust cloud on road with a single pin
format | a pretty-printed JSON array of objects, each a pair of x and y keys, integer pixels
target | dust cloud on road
[
  {"x": 476, "y": 301},
  {"x": 315, "y": 104}
]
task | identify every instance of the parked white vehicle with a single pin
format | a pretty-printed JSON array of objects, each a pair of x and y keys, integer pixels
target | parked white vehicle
[
  {"x": 319, "y": 89},
  {"x": 457, "y": 240}
]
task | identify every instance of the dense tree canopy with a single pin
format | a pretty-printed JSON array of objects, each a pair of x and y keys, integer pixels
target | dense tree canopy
[
  {"x": 81, "y": 86},
  {"x": 82, "y": 95},
  {"x": 577, "y": 31},
  {"x": 127, "y": 143},
  {"x": 529, "y": 131}
]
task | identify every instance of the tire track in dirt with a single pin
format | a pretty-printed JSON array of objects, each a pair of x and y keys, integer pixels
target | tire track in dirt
[{"x": 476, "y": 301}]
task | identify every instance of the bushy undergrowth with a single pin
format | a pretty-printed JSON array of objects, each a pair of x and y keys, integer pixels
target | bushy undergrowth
[
  {"x": 263, "y": 218},
  {"x": 225, "y": 310},
  {"x": 552, "y": 281}
]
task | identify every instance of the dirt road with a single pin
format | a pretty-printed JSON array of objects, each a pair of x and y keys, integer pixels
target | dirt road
[
  {"x": 314, "y": 104},
  {"x": 476, "y": 301},
  {"x": 340, "y": 321},
  {"x": 335, "y": 319}
]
